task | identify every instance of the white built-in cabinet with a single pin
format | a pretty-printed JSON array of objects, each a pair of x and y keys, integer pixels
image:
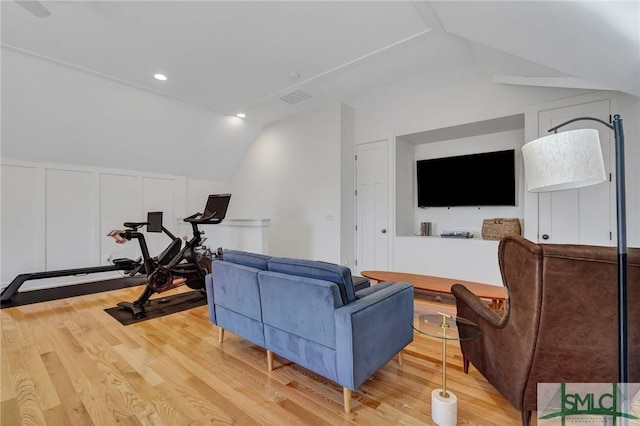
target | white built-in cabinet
[{"x": 57, "y": 217}]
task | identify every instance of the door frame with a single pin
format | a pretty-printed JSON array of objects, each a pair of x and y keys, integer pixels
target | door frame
[{"x": 389, "y": 205}]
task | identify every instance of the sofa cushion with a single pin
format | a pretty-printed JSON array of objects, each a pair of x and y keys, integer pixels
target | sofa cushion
[
  {"x": 341, "y": 275},
  {"x": 246, "y": 327},
  {"x": 316, "y": 357},
  {"x": 300, "y": 306},
  {"x": 236, "y": 288},
  {"x": 253, "y": 260}
]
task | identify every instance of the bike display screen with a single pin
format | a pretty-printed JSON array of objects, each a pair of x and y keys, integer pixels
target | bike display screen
[{"x": 154, "y": 222}]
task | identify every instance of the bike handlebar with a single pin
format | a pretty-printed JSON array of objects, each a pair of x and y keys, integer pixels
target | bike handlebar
[{"x": 199, "y": 219}]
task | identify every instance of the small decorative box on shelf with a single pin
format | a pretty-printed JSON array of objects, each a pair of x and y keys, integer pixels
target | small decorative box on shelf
[{"x": 495, "y": 229}]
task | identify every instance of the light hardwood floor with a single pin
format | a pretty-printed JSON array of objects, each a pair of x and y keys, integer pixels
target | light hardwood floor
[{"x": 67, "y": 362}]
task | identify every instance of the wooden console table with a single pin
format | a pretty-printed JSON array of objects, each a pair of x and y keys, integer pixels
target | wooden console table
[{"x": 442, "y": 285}]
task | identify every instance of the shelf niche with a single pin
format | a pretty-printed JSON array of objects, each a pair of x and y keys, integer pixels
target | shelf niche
[{"x": 471, "y": 138}]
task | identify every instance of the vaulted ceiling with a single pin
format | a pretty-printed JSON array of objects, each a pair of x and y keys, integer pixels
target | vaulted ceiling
[{"x": 272, "y": 59}]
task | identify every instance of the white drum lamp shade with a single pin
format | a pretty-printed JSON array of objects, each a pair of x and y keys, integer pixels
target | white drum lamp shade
[{"x": 566, "y": 160}]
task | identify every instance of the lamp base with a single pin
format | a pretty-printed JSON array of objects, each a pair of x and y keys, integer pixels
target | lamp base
[{"x": 444, "y": 410}]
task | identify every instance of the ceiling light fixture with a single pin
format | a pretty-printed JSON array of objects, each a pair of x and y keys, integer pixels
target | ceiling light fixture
[
  {"x": 160, "y": 77},
  {"x": 241, "y": 115}
]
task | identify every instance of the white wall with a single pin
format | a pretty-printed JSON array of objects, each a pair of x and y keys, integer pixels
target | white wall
[
  {"x": 60, "y": 117},
  {"x": 469, "y": 218},
  {"x": 296, "y": 173},
  {"x": 291, "y": 175},
  {"x": 197, "y": 193},
  {"x": 55, "y": 113},
  {"x": 57, "y": 217},
  {"x": 232, "y": 233},
  {"x": 411, "y": 106},
  {"x": 82, "y": 153},
  {"x": 347, "y": 186}
]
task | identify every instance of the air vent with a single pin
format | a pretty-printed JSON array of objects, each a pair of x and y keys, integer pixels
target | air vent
[{"x": 295, "y": 97}]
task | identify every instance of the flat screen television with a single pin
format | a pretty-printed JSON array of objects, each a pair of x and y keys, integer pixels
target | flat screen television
[{"x": 486, "y": 179}]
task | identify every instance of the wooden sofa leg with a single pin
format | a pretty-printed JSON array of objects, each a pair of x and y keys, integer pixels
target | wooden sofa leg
[
  {"x": 526, "y": 417},
  {"x": 270, "y": 360},
  {"x": 465, "y": 364},
  {"x": 400, "y": 360},
  {"x": 220, "y": 335},
  {"x": 346, "y": 393}
]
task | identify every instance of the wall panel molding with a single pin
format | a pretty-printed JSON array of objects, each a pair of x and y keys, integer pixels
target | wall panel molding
[{"x": 56, "y": 216}]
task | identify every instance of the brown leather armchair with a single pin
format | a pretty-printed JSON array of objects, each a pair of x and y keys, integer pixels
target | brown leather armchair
[{"x": 559, "y": 323}]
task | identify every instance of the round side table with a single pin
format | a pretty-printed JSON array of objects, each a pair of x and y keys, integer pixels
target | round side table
[{"x": 444, "y": 403}]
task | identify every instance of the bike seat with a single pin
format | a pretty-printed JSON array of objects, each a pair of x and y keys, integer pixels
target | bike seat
[
  {"x": 135, "y": 225},
  {"x": 125, "y": 264}
]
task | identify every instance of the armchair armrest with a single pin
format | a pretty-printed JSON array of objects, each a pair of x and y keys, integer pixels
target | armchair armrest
[
  {"x": 474, "y": 303},
  {"x": 371, "y": 331}
]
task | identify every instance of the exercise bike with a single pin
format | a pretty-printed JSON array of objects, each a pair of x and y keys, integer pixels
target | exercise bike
[{"x": 175, "y": 265}]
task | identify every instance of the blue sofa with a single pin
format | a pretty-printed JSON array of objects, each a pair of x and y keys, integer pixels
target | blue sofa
[{"x": 309, "y": 312}]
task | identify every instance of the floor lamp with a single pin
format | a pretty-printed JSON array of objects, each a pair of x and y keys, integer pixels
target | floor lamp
[{"x": 573, "y": 159}]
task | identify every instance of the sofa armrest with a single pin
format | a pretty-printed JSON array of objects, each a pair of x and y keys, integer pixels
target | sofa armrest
[
  {"x": 474, "y": 303},
  {"x": 371, "y": 331}
]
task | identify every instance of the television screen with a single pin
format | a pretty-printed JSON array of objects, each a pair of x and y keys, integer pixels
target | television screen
[{"x": 486, "y": 179}]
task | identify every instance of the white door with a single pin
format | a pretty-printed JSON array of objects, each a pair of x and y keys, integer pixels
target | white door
[
  {"x": 578, "y": 216},
  {"x": 372, "y": 234}
]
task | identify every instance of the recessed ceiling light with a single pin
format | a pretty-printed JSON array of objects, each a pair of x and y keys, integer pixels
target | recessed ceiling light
[
  {"x": 241, "y": 115},
  {"x": 160, "y": 77}
]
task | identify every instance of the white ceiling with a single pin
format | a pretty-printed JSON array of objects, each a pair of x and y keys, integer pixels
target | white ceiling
[{"x": 237, "y": 56}]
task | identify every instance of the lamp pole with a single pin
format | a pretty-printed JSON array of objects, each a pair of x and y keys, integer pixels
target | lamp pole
[{"x": 623, "y": 354}]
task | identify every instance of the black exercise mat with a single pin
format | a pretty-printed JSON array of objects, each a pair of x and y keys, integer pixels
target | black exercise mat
[
  {"x": 161, "y": 306},
  {"x": 62, "y": 292}
]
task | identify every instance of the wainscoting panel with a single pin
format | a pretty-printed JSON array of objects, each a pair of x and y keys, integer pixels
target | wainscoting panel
[
  {"x": 22, "y": 221},
  {"x": 69, "y": 219},
  {"x": 57, "y": 217},
  {"x": 120, "y": 202}
]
